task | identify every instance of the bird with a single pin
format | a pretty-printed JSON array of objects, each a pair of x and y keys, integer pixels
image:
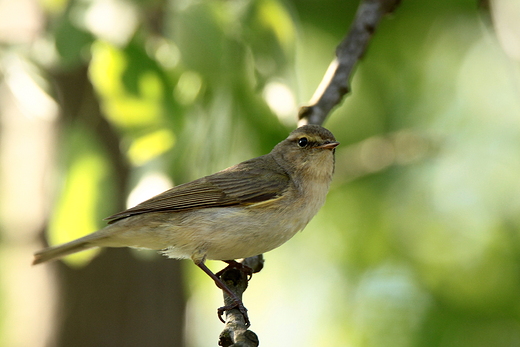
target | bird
[{"x": 242, "y": 211}]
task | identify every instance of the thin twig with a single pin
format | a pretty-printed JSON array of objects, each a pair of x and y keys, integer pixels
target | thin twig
[
  {"x": 235, "y": 333},
  {"x": 335, "y": 84}
]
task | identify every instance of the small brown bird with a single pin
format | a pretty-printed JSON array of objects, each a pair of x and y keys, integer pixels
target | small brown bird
[{"x": 239, "y": 212}]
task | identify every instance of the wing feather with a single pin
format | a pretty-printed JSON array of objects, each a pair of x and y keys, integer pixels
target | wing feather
[{"x": 252, "y": 181}]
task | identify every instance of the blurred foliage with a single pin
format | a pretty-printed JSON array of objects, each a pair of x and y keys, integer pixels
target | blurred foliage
[
  {"x": 418, "y": 244},
  {"x": 87, "y": 177}
]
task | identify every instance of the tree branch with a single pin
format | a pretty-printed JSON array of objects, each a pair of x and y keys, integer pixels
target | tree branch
[
  {"x": 235, "y": 333},
  {"x": 335, "y": 84},
  {"x": 330, "y": 92}
]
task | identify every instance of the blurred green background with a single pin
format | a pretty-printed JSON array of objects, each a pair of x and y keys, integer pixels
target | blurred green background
[{"x": 104, "y": 103}]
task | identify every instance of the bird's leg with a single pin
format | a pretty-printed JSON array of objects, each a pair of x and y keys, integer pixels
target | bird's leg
[
  {"x": 237, "y": 302},
  {"x": 233, "y": 264}
]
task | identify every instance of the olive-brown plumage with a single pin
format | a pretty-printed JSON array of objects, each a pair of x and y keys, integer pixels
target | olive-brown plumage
[{"x": 242, "y": 211}]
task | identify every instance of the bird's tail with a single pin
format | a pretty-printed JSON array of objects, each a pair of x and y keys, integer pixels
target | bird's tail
[{"x": 57, "y": 252}]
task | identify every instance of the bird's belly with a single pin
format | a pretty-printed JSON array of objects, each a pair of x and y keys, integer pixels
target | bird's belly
[
  {"x": 243, "y": 233},
  {"x": 222, "y": 233}
]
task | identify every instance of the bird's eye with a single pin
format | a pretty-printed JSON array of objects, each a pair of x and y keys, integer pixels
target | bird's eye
[{"x": 303, "y": 142}]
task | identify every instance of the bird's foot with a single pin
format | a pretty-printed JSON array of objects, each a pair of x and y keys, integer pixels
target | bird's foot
[
  {"x": 236, "y": 305},
  {"x": 233, "y": 264}
]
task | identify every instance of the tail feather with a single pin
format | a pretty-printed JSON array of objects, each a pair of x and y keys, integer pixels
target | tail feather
[{"x": 57, "y": 252}]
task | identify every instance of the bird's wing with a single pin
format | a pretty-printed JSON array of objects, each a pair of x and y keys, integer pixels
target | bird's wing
[{"x": 249, "y": 182}]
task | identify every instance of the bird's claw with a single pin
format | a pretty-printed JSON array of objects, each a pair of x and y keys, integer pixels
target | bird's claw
[
  {"x": 237, "y": 305},
  {"x": 232, "y": 264}
]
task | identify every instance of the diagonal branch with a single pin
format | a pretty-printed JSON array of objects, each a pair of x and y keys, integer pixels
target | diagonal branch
[{"x": 335, "y": 84}]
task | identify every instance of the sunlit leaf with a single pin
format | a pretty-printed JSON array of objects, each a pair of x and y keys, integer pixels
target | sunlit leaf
[
  {"x": 188, "y": 87},
  {"x": 124, "y": 107},
  {"x": 76, "y": 211},
  {"x": 275, "y": 17},
  {"x": 54, "y": 6},
  {"x": 150, "y": 146}
]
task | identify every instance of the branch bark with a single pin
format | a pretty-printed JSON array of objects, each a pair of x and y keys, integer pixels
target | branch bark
[
  {"x": 330, "y": 92},
  {"x": 335, "y": 84},
  {"x": 235, "y": 333}
]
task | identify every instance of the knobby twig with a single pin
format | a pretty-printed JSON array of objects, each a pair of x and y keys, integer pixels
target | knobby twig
[
  {"x": 235, "y": 332},
  {"x": 330, "y": 92},
  {"x": 335, "y": 84}
]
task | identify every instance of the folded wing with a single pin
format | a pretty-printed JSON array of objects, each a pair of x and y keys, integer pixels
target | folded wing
[{"x": 253, "y": 181}]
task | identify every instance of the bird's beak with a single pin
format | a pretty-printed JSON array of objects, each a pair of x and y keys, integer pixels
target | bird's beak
[{"x": 328, "y": 145}]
